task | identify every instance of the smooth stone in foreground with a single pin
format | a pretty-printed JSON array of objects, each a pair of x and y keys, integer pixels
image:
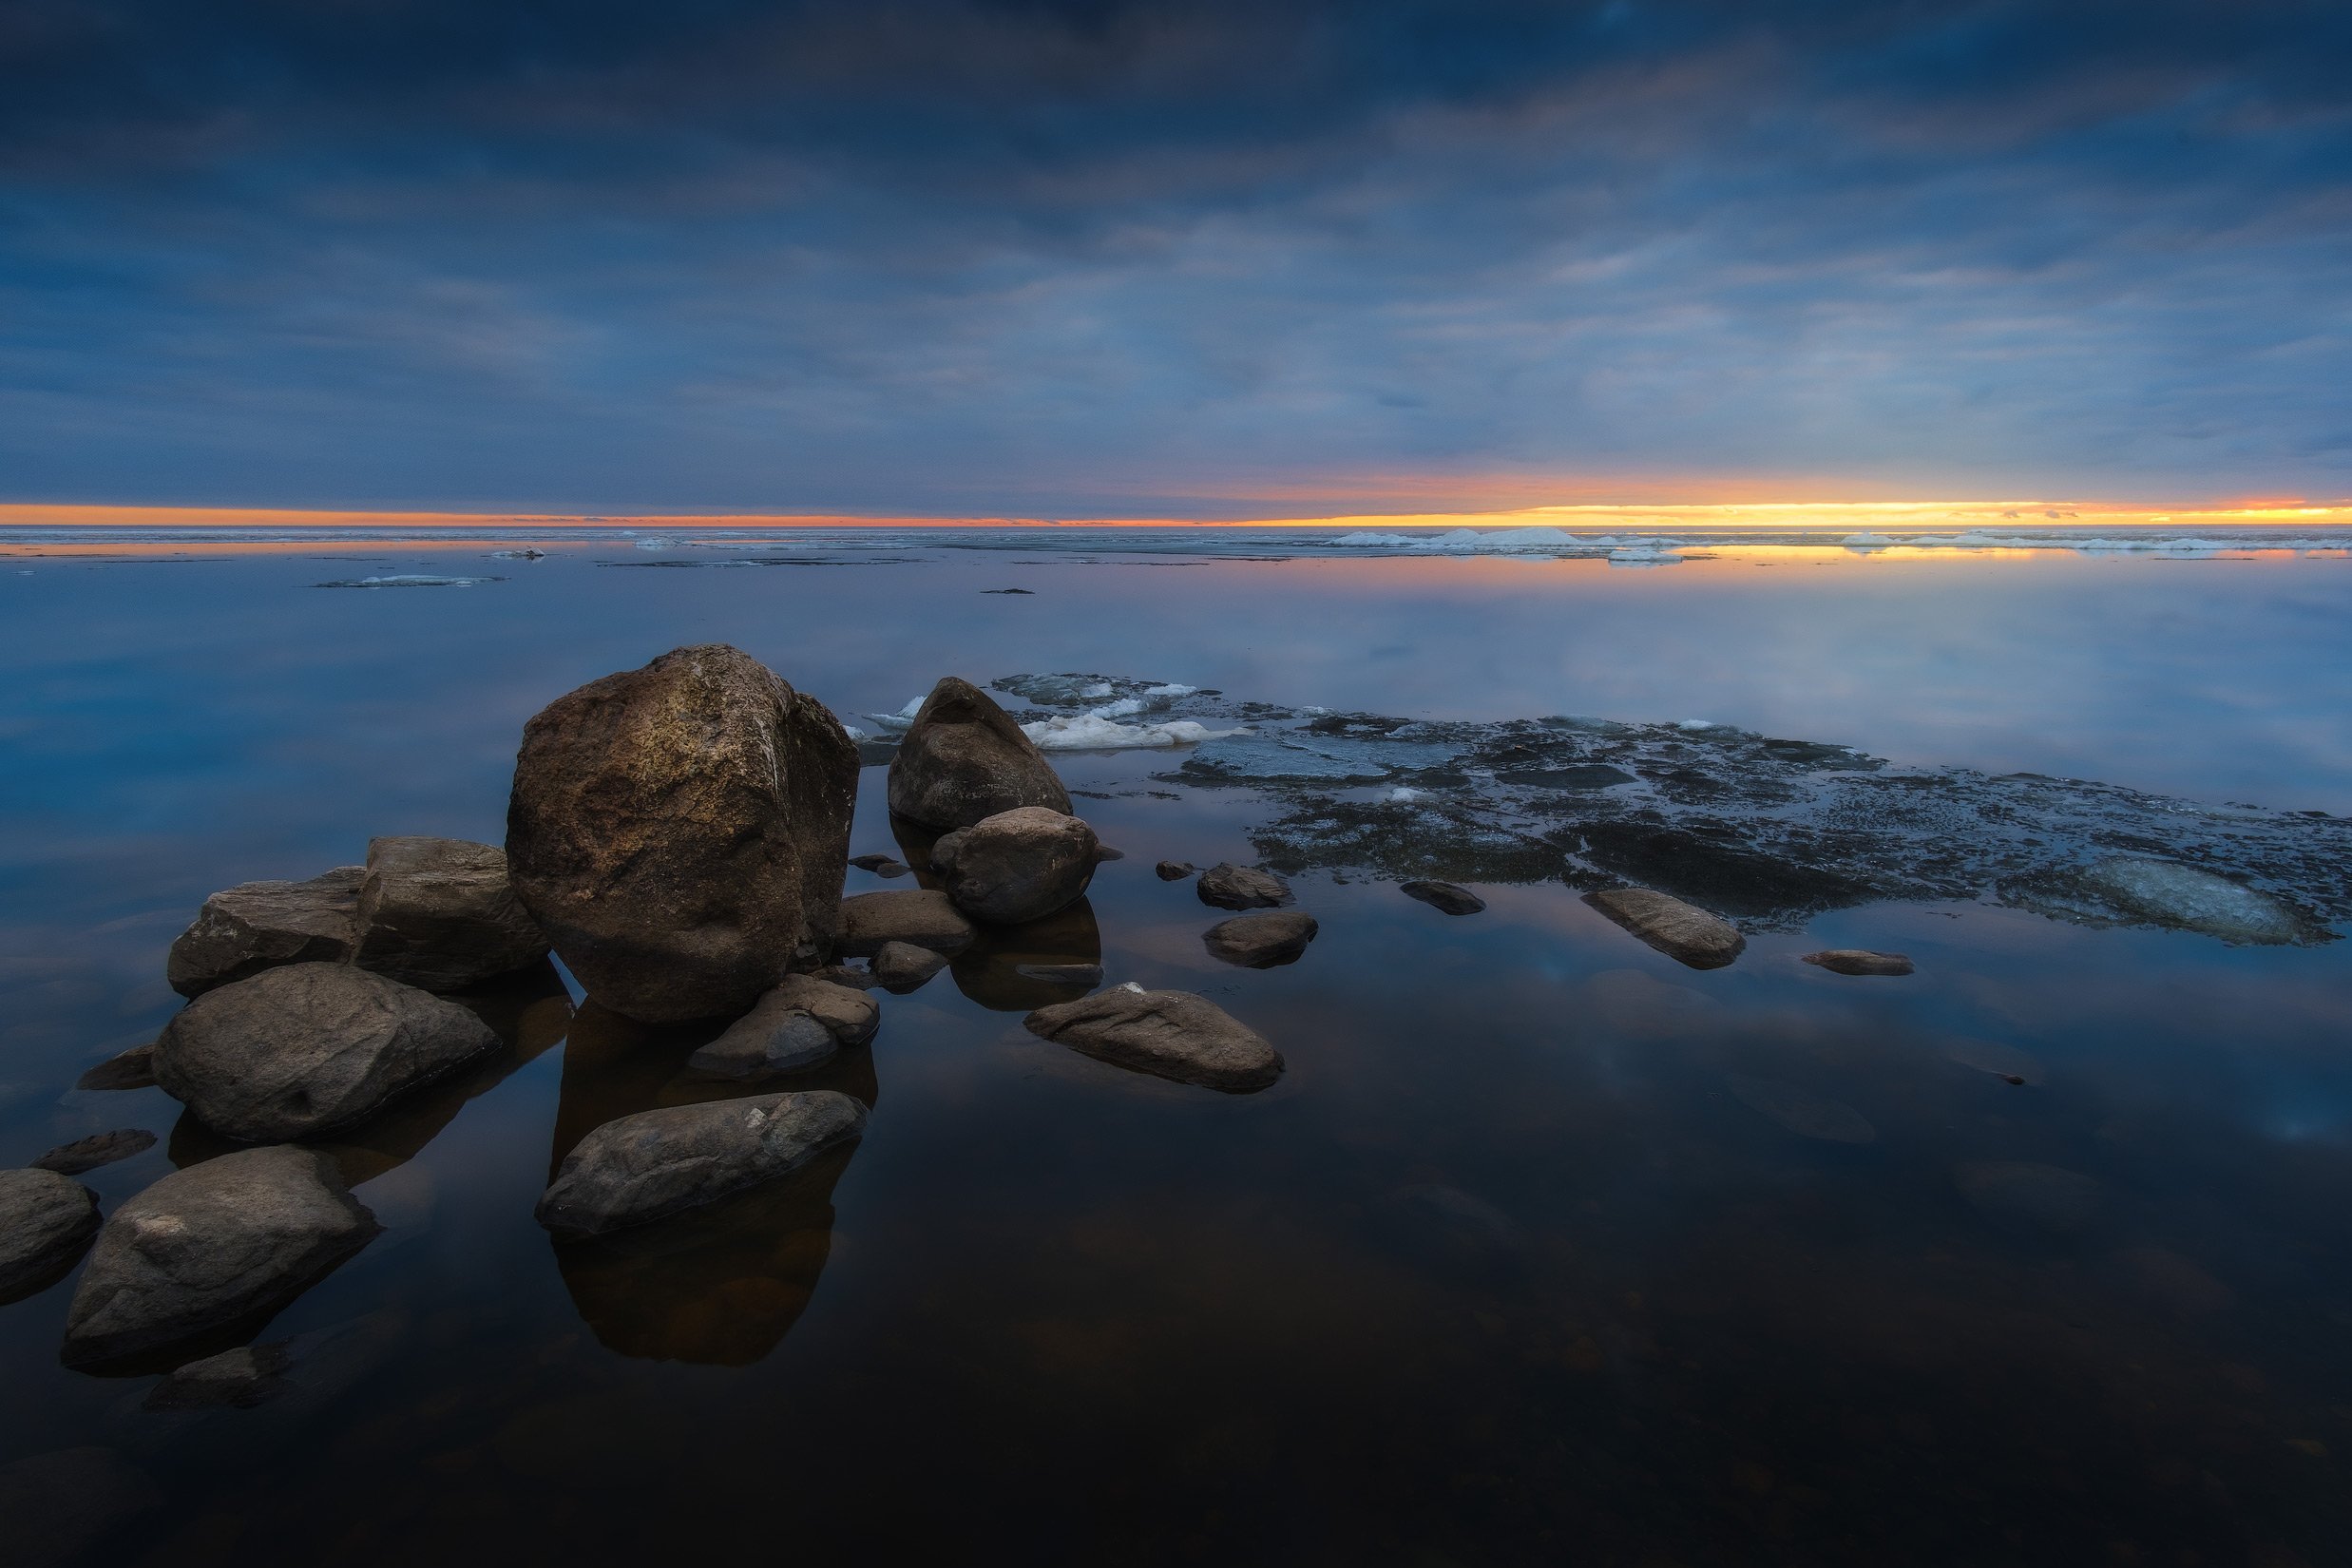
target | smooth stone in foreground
[
  {"x": 963, "y": 760},
  {"x": 1018, "y": 866},
  {"x": 1261, "y": 940},
  {"x": 1232, "y": 887},
  {"x": 656, "y": 1163},
  {"x": 924, "y": 916},
  {"x": 440, "y": 914},
  {"x": 800, "y": 1024},
  {"x": 1677, "y": 930},
  {"x": 310, "y": 1047},
  {"x": 680, "y": 832},
  {"x": 45, "y": 1221},
  {"x": 87, "y": 1153},
  {"x": 1169, "y": 1034},
  {"x": 1448, "y": 897},
  {"x": 901, "y": 966},
  {"x": 257, "y": 926},
  {"x": 210, "y": 1247},
  {"x": 1859, "y": 961}
]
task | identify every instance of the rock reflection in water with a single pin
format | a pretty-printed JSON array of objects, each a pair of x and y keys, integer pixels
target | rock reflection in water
[
  {"x": 718, "y": 1285},
  {"x": 529, "y": 1012},
  {"x": 991, "y": 970}
]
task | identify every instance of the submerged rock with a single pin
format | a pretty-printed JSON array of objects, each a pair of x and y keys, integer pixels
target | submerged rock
[
  {"x": 303, "y": 1049},
  {"x": 2164, "y": 892},
  {"x": 880, "y": 865},
  {"x": 131, "y": 1069},
  {"x": 439, "y": 913},
  {"x": 87, "y": 1153},
  {"x": 257, "y": 926},
  {"x": 1445, "y": 896},
  {"x": 1689, "y": 935},
  {"x": 680, "y": 832},
  {"x": 1169, "y": 1034},
  {"x": 1859, "y": 961},
  {"x": 645, "y": 1167},
  {"x": 799, "y": 1025},
  {"x": 1173, "y": 871},
  {"x": 1085, "y": 976},
  {"x": 964, "y": 759},
  {"x": 45, "y": 1219},
  {"x": 1262, "y": 941},
  {"x": 1017, "y": 866},
  {"x": 1232, "y": 887},
  {"x": 237, "y": 1379},
  {"x": 924, "y": 917},
  {"x": 212, "y": 1248},
  {"x": 903, "y": 966}
]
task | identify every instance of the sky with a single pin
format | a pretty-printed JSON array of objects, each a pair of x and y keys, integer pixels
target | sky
[{"x": 1064, "y": 258}]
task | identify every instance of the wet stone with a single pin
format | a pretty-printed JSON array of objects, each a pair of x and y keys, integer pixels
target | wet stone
[
  {"x": 257, "y": 926},
  {"x": 1689, "y": 935},
  {"x": 1447, "y": 897},
  {"x": 1261, "y": 940},
  {"x": 903, "y": 966},
  {"x": 131, "y": 1069},
  {"x": 1232, "y": 887},
  {"x": 1859, "y": 961},
  {"x": 1173, "y": 871},
  {"x": 880, "y": 865},
  {"x": 87, "y": 1153},
  {"x": 924, "y": 917},
  {"x": 1169, "y": 1034},
  {"x": 45, "y": 1219},
  {"x": 656, "y": 1163}
]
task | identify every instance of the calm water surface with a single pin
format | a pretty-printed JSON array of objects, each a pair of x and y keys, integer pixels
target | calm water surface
[{"x": 1537, "y": 1253}]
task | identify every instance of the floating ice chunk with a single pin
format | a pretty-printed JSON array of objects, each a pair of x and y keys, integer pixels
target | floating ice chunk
[
  {"x": 902, "y": 720},
  {"x": 1125, "y": 707},
  {"x": 1406, "y": 793},
  {"x": 1171, "y": 690},
  {"x": 410, "y": 581},
  {"x": 1365, "y": 540},
  {"x": 854, "y": 732},
  {"x": 1094, "y": 689},
  {"x": 2169, "y": 894},
  {"x": 654, "y": 542},
  {"x": 1695, "y": 723},
  {"x": 1093, "y": 733},
  {"x": 518, "y": 555},
  {"x": 1868, "y": 540}
]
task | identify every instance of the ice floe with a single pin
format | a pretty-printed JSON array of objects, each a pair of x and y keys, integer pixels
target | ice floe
[{"x": 410, "y": 581}]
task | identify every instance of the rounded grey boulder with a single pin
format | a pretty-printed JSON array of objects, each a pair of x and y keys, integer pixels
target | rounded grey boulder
[
  {"x": 656, "y": 1163},
  {"x": 1018, "y": 866},
  {"x": 1262, "y": 941},
  {"x": 439, "y": 913},
  {"x": 1168, "y": 1033},
  {"x": 211, "y": 1247},
  {"x": 800, "y": 1024},
  {"x": 45, "y": 1221},
  {"x": 310, "y": 1047},
  {"x": 1677, "y": 930},
  {"x": 1232, "y": 887},
  {"x": 680, "y": 832},
  {"x": 257, "y": 926},
  {"x": 963, "y": 760}
]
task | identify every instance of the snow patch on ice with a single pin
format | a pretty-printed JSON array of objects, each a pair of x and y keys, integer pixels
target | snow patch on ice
[{"x": 1098, "y": 732}]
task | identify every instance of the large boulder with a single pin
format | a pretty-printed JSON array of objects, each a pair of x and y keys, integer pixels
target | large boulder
[
  {"x": 1262, "y": 941},
  {"x": 1017, "y": 866},
  {"x": 1680, "y": 932},
  {"x": 1169, "y": 1034},
  {"x": 257, "y": 926},
  {"x": 681, "y": 832},
  {"x": 308, "y": 1048},
  {"x": 656, "y": 1163},
  {"x": 44, "y": 1220},
  {"x": 1231, "y": 887},
  {"x": 212, "y": 1248},
  {"x": 924, "y": 917},
  {"x": 438, "y": 914},
  {"x": 963, "y": 760},
  {"x": 799, "y": 1025}
]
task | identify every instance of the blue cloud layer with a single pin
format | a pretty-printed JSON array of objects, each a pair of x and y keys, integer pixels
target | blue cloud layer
[{"x": 1062, "y": 257}]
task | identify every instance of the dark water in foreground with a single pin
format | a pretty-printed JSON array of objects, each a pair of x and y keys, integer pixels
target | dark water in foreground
[{"x": 1538, "y": 1251}]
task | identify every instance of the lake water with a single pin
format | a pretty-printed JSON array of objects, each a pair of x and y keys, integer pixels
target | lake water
[{"x": 1545, "y": 1248}]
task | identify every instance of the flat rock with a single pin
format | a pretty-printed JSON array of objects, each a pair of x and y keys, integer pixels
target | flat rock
[
  {"x": 210, "y": 1248},
  {"x": 257, "y": 926},
  {"x": 1169, "y": 1034},
  {"x": 925, "y": 917},
  {"x": 1448, "y": 897},
  {"x": 131, "y": 1069},
  {"x": 680, "y": 832},
  {"x": 963, "y": 760},
  {"x": 60, "y": 1505},
  {"x": 800, "y": 1024},
  {"x": 1232, "y": 887},
  {"x": 904, "y": 967},
  {"x": 656, "y": 1163},
  {"x": 87, "y": 1153},
  {"x": 1690, "y": 935},
  {"x": 237, "y": 1379},
  {"x": 1261, "y": 940},
  {"x": 1088, "y": 975},
  {"x": 1859, "y": 961},
  {"x": 880, "y": 864},
  {"x": 1174, "y": 871},
  {"x": 440, "y": 914},
  {"x": 45, "y": 1221},
  {"x": 1017, "y": 866},
  {"x": 303, "y": 1049}
]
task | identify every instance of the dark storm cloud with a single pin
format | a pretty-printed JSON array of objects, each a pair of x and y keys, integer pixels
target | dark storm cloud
[{"x": 1076, "y": 257}]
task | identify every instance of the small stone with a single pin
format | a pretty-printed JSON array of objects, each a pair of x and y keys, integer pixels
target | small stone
[
  {"x": 132, "y": 1069},
  {"x": 901, "y": 966},
  {"x": 880, "y": 864},
  {"x": 257, "y": 926},
  {"x": 656, "y": 1163},
  {"x": 1017, "y": 866},
  {"x": 924, "y": 916},
  {"x": 1859, "y": 961},
  {"x": 1448, "y": 897},
  {"x": 1262, "y": 941},
  {"x": 45, "y": 1219},
  {"x": 1169, "y": 1034},
  {"x": 1174, "y": 871},
  {"x": 1232, "y": 887},
  {"x": 87, "y": 1153},
  {"x": 1680, "y": 932}
]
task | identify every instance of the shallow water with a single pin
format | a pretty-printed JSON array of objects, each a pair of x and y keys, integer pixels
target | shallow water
[{"x": 1545, "y": 1245}]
